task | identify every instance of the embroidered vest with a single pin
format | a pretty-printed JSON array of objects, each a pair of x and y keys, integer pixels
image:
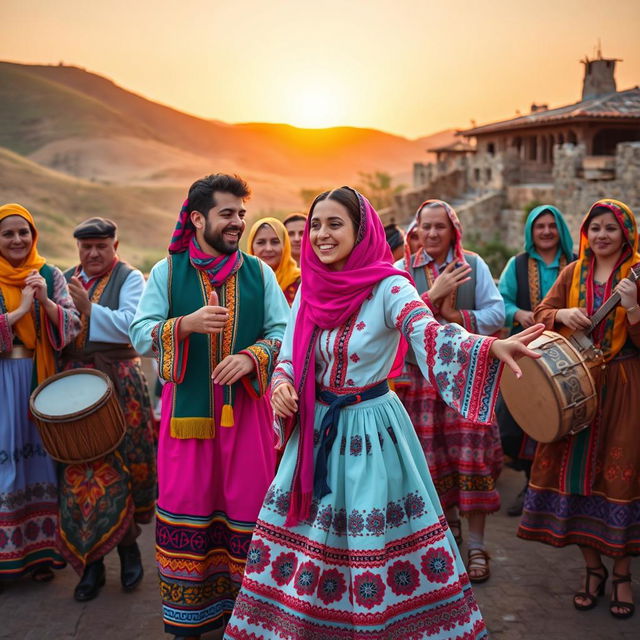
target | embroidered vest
[
  {"x": 243, "y": 295},
  {"x": 105, "y": 292}
]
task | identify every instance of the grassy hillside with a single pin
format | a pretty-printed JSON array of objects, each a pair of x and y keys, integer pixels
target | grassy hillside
[
  {"x": 35, "y": 111},
  {"x": 58, "y": 203}
]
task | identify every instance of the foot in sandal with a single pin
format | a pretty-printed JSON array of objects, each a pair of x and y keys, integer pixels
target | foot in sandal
[{"x": 478, "y": 565}]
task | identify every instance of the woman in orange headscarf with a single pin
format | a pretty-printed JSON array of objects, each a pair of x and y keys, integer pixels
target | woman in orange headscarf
[
  {"x": 585, "y": 489},
  {"x": 37, "y": 317},
  {"x": 269, "y": 241}
]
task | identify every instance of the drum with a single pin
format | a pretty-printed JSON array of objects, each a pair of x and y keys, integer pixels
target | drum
[
  {"x": 78, "y": 415},
  {"x": 556, "y": 395}
]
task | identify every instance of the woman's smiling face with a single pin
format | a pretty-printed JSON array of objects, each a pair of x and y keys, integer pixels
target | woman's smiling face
[{"x": 332, "y": 234}]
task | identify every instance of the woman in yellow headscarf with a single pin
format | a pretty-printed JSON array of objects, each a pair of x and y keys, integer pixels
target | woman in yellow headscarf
[
  {"x": 269, "y": 241},
  {"x": 37, "y": 317},
  {"x": 585, "y": 489}
]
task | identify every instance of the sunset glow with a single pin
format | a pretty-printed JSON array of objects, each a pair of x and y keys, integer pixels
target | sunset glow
[{"x": 409, "y": 67}]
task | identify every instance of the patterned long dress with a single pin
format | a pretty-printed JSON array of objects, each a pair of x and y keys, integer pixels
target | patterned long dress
[
  {"x": 28, "y": 483},
  {"x": 605, "y": 517},
  {"x": 464, "y": 457},
  {"x": 375, "y": 559}
]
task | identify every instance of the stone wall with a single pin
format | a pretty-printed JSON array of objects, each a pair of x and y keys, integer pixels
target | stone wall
[
  {"x": 574, "y": 192},
  {"x": 447, "y": 186},
  {"x": 481, "y": 218}
]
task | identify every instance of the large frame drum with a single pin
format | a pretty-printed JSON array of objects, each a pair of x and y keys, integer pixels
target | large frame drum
[
  {"x": 78, "y": 415},
  {"x": 556, "y": 395}
]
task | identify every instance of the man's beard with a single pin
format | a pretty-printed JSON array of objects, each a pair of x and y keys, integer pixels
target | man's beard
[{"x": 216, "y": 240}]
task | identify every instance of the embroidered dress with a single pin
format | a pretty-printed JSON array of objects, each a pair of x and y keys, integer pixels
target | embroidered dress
[
  {"x": 212, "y": 477},
  {"x": 374, "y": 559},
  {"x": 99, "y": 500},
  {"x": 28, "y": 482},
  {"x": 585, "y": 489},
  {"x": 465, "y": 458}
]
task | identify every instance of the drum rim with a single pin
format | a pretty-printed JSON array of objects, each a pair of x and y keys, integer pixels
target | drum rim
[
  {"x": 554, "y": 336},
  {"x": 67, "y": 417}
]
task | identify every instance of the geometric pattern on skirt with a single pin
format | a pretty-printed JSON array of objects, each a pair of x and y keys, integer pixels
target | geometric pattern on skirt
[
  {"x": 201, "y": 561},
  {"x": 464, "y": 458},
  {"x": 613, "y": 528},
  {"x": 375, "y": 558}
]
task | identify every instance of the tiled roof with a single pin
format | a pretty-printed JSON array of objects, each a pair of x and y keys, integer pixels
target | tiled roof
[
  {"x": 620, "y": 105},
  {"x": 458, "y": 146}
]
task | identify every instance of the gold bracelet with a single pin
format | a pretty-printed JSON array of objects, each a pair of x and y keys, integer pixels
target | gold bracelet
[{"x": 634, "y": 308}]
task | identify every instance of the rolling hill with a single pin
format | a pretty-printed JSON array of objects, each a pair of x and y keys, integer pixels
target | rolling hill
[{"x": 74, "y": 144}]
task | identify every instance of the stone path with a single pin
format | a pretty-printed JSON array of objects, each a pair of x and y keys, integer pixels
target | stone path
[{"x": 527, "y": 598}]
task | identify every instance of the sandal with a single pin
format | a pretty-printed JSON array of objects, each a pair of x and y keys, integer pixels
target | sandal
[
  {"x": 478, "y": 561},
  {"x": 455, "y": 526},
  {"x": 628, "y": 607},
  {"x": 43, "y": 574},
  {"x": 591, "y": 598}
]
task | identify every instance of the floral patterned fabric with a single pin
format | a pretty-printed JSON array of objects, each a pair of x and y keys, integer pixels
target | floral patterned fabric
[
  {"x": 375, "y": 558},
  {"x": 100, "y": 499}
]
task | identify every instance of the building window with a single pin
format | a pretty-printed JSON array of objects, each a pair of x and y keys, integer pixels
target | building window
[
  {"x": 487, "y": 173},
  {"x": 476, "y": 175},
  {"x": 491, "y": 148}
]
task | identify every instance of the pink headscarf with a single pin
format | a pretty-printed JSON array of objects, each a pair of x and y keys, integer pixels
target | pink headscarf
[{"x": 327, "y": 299}]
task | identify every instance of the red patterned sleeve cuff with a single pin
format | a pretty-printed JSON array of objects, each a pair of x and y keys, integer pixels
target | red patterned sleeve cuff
[
  {"x": 469, "y": 321},
  {"x": 170, "y": 352},
  {"x": 264, "y": 354},
  {"x": 434, "y": 308}
]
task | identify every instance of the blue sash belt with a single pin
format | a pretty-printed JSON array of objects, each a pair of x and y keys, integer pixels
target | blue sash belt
[{"x": 329, "y": 427}]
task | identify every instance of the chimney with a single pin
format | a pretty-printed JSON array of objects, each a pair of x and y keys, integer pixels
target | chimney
[{"x": 599, "y": 76}]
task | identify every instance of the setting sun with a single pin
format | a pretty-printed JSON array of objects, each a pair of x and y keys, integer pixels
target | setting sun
[{"x": 316, "y": 107}]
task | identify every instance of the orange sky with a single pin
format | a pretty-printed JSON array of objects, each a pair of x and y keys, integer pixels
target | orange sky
[{"x": 411, "y": 67}]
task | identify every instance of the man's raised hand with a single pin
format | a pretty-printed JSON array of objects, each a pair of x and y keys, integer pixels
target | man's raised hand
[{"x": 208, "y": 319}]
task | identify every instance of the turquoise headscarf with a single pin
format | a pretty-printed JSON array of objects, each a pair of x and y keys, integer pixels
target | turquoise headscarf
[{"x": 566, "y": 242}]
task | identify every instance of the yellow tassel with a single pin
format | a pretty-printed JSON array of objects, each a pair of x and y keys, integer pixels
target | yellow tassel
[
  {"x": 226, "y": 419},
  {"x": 186, "y": 428}
]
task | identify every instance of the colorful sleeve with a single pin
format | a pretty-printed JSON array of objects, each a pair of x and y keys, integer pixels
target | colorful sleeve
[
  {"x": 508, "y": 288},
  {"x": 68, "y": 316},
  {"x": 153, "y": 333},
  {"x": 456, "y": 362},
  {"x": 557, "y": 298},
  {"x": 264, "y": 352},
  {"x": 6, "y": 333}
]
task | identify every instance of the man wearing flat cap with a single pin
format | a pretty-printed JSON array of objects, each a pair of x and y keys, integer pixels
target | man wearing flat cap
[{"x": 102, "y": 502}]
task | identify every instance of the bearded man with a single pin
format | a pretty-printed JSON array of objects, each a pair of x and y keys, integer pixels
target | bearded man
[{"x": 214, "y": 317}]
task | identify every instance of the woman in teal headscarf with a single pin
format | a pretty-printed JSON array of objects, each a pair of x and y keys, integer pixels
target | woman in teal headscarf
[{"x": 525, "y": 281}]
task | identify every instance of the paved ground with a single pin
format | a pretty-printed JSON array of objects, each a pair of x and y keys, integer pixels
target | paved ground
[{"x": 528, "y": 597}]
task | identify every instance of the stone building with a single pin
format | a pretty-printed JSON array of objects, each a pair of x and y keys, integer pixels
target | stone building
[{"x": 568, "y": 156}]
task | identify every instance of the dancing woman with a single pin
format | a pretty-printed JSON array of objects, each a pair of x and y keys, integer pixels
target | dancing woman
[{"x": 351, "y": 541}]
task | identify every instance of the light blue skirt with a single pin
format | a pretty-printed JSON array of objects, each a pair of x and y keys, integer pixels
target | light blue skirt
[
  {"x": 28, "y": 484},
  {"x": 375, "y": 560}
]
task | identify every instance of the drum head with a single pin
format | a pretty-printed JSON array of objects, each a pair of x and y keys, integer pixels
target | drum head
[
  {"x": 531, "y": 401},
  {"x": 71, "y": 392}
]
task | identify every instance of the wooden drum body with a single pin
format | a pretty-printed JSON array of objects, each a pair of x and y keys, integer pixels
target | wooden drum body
[
  {"x": 78, "y": 415},
  {"x": 556, "y": 395}
]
